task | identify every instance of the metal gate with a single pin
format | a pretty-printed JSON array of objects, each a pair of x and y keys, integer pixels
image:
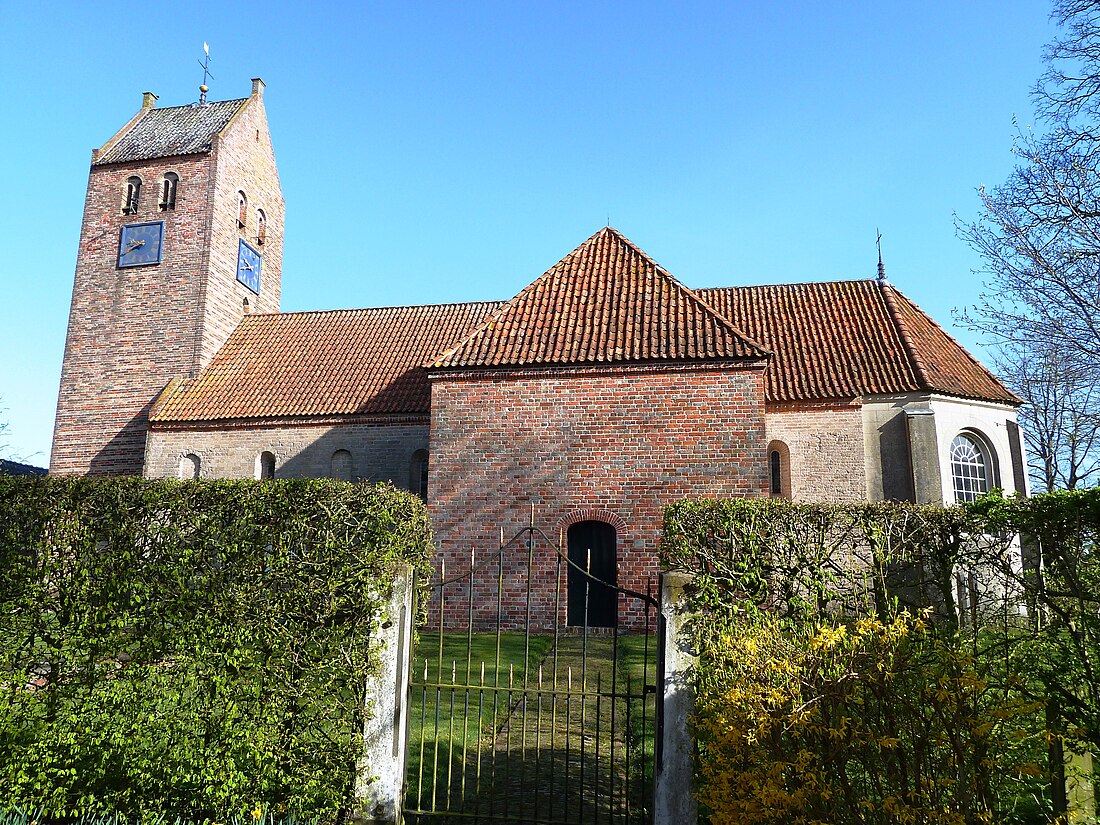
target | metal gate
[{"x": 514, "y": 716}]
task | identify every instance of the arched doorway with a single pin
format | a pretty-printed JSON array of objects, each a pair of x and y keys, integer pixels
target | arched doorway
[{"x": 592, "y": 542}]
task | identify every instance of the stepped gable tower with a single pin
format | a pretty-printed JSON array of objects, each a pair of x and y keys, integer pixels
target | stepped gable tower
[{"x": 182, "y": 236}]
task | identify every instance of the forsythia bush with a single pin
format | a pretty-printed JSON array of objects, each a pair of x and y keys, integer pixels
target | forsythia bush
[{"x": 867, "y": 722}]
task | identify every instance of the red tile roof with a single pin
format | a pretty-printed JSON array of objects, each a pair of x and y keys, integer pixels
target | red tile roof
[
  {"x": 605, "y": 302},
  {"x": 343, "y": 362},
  {"x": 847, "y": 339}
]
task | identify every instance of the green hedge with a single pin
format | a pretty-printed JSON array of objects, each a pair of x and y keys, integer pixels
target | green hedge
[
  {"x": 892, "y": 663},
  {"x": 191, "y": 649}
]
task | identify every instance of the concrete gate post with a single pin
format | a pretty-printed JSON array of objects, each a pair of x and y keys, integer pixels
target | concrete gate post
[
  {"x": 674, "y": 795},
  {"x": 381, "y": 777}
]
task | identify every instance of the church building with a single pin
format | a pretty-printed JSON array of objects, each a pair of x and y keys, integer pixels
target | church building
[{"x": 602, "y": 392}]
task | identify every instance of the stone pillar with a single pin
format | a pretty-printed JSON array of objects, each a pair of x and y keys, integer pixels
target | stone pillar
[
  {"x": 674, "y": 798},
  {"x": 382, "y": 766},
  {"x": 924, "y": 454}
]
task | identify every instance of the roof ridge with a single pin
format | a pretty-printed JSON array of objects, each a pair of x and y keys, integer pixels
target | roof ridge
[
  {"x": 283, "y": 314},
  {"x": 563, "y": 264},
  {"x": 886, "y": 285},
  {"x": 919, "y": 367},
  {"x": 789, "y": 283},
  {"x": 686, "y": 290}
]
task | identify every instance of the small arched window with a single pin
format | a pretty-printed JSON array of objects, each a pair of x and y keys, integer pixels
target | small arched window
[
  {"x": 261, "y": 227},
  {"x": 265, "y": 466},
  {"x": 972, "y": 468},
  {"x": 779, "y": 470},
  {"x": 242, "y": 209},
  {"x": 340, "y": 466},
  {"x": 418, "y": 474},
  {"x": 190, "y": 467},
  {"x": 133, "y": 195},
  {"x": 168, "y": 188}
]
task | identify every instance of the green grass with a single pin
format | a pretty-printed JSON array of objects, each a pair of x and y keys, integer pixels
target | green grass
[{"x": 472, "y": 736}]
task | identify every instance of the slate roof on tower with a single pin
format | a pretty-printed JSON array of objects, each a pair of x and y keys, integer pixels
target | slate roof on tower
[
  {"x": 605, "y": 302},
  {"x": 174, "y": 130}
]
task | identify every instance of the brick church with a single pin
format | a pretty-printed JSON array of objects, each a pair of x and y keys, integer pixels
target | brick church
[{"x": 603, "y": 391}]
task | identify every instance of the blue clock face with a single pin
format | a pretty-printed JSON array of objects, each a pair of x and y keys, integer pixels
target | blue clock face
[
  {"x": 249, "y": 263},
  {"x": 140, "y": 244},
  {"x": 248, "y": 266}
]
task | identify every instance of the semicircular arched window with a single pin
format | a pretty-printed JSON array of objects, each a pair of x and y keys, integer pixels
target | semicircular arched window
[
  {"x": 190, "y": 467},
  {"x": 168, "y": 187},
  {"x": 265, "y": 466},
  {"x": 132, "y": 196},
  {"x": 972, "y": 469},
  {"x": 418, "y": 474},
  {"x": 340, "y": 465}
]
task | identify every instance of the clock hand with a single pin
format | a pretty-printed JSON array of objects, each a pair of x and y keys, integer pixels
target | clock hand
[{"x": 134, "y": 245}]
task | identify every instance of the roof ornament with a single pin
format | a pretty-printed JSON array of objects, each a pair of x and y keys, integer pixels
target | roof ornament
[
  {"x": 203, "y": 89},
  {"x": 881, "y": 268}
]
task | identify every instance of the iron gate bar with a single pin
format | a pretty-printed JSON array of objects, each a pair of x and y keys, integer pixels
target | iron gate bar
[{"x": 599, "y": 786}]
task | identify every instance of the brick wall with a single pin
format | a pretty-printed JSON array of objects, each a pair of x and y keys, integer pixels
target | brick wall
[
  {"x": 132, "y": 330},
  {"x": 620, "y": 441},
  {"x": 826, "y": 444},
  {"x": 379, "y": 451}
]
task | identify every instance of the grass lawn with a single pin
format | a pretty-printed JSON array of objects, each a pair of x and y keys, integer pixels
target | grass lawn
[{"x": 506, "y": 747}]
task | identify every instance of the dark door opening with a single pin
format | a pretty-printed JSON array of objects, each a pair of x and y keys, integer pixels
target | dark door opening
[{"x": 592, "y": 543}]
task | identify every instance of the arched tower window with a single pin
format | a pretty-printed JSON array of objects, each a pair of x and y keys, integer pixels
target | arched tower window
[
  {"x": 242, "y": 209},
  {"x": 340, "y": 465},
  {"x": 779, "y": 470},
  {"x": 973, "y": 470},
  {"x": 265, "y": 466},
  {"x": 418, "y": 474},
  {"x": 190, "y": 467},
  {"x": 261, "y": 227},
  {"x": 133, "y": 195},
  {"x": 592, "y": 548},
  {"x": 168, "y": 188}
]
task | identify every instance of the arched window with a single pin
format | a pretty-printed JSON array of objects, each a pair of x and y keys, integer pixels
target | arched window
[
  {"x": 973, "y": 472},
  {"x": 190, "y": 465},
  {"x": 242, "y": 209},
  {"x": 418, "y": 474},
  {"x": 340, "y": 465},
  {"x": 265, "y": 466},
  {"x": 133, "y": 195},
  {"x": 779, "y": 470},
  {"x": 261, "y": 227},
  {"x": 168, "y": 188},
  {"x": 592, "y": 548}
]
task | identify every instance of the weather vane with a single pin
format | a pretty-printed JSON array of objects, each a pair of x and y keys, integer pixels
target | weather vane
[{"x": 203, "y": 89}]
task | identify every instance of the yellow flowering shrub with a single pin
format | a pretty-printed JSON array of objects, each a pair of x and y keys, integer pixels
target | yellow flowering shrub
[{"x": 868, "y": 721}]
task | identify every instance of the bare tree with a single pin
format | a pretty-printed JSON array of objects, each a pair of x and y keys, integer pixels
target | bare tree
[
  {"x": 1039, "y": 236},
  {"x": 1061, "y": 414}
]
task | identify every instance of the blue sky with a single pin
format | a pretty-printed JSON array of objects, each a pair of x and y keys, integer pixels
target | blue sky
[{"x": 436, "y": 152}]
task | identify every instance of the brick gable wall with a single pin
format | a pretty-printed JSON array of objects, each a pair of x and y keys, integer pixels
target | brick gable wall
[{"x": 570, "y": 442}]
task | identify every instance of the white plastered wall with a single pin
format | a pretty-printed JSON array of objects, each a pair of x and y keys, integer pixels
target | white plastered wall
[{"x": 953, "y": 416}]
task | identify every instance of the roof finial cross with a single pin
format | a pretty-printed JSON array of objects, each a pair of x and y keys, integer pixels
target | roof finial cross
[
  {"x": 203, "y": 89},
  {"x": 878, "y": 243}
]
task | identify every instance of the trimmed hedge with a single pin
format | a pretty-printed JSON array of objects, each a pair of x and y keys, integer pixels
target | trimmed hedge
[{"x": 192, "y": 649}]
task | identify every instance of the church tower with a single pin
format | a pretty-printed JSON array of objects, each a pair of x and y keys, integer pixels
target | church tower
[{"x": 182, "y": 236}]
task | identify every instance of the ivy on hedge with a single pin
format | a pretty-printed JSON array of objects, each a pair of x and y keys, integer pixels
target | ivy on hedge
[{"x": 192, "y": 649}]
